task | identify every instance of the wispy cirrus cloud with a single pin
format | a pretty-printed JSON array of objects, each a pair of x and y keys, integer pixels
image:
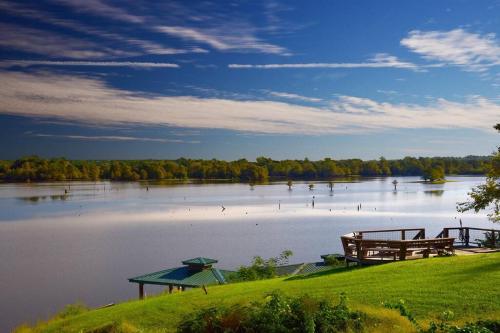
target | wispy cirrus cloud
[
  {"x": 294, "y": 96},
  {"x": 133, "y": 64},
  {"x": 98, "y": 7},
  {"x": 238, "y": 35},
  {"x": 471, "y": 51},
  {"x": 85, "y": 100},
  {"x": 223, "y": 39},
  {"x": 48, "y": 43},
  {"x": 381, "y": 60},
  {"x": 118, "y": 40},
  {"x": 108, "y": 138}
]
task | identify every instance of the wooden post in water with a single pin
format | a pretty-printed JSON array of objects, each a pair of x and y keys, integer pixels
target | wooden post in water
[
  {"x": 170, "y": 288},
  {"x": 141, "y": 291}
]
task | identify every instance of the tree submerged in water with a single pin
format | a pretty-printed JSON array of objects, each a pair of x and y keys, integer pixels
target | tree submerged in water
[{"x": 433, "y": 174}]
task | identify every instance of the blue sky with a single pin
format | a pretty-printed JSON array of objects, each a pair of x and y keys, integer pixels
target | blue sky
[{"x": 239, "y": 79}]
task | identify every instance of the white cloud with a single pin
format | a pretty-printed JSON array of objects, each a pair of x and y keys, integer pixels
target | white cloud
[
  {"x": 90, "y": 101},
  {"x": 52, "y": 44},
  {"x": 234, "y": 39},
  {"x": 108, "y": 138},
  {"x": 294, "y": 96},
  {"x": 100, "y": 8},
  {"x": 473, "y": 52},
  {"x": 133, "y": 64},
  {"x": 380, "y": 60},
  {"x": 145, "y": 46}
]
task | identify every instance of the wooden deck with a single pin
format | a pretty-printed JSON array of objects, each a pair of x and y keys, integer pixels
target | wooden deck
[
  {"x": 381, "y": 246},
  {"x": 466, "y": 251}
]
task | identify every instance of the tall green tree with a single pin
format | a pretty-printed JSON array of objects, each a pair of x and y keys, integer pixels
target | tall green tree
[{"x": 488, "y": 194}]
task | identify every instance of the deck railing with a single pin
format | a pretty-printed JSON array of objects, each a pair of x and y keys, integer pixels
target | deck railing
[
  {"x": 472, "y": 237},
  {"x": 392, "y": 234}
]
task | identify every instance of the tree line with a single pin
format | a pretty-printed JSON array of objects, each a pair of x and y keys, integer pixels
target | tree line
[{"x": 34, "y": 168}]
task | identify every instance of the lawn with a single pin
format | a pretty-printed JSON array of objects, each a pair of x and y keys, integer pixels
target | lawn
[{"x": 467, "y": 285}]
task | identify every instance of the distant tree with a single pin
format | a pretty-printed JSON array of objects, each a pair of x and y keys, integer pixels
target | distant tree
[
  {"x": 384, "y": 167},
  {"x": 196, "y": 170},
  {"x": 308, "y": 170},
  {"x": 252, "y": 172},
  {"x": 488, "y": 194},
  {"x": 33, "y": 168},
  {"x": 433, "y": 174},
  {"x": 371, "y": 168}
]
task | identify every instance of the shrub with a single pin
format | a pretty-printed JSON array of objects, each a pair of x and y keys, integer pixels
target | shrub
[
  {"x": 278, "y": 313},
  {"x": 480, "y": 326},
  {"x": 261, "y": 268},
  {"x": 72, "y": 310},
  {"x": 403, "y": 310},
  {"x": 331, "y": 260},
  {"x": 490, "y": 240}
]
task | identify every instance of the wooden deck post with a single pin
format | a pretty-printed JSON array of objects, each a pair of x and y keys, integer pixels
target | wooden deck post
[
  {"x": 402, "y": 251},
  {"x": 466, "y": 237},
  {"x": 141, "y": 291},
  {"x": 359, "y": 250},
  {"x": 403, "y": 235}
]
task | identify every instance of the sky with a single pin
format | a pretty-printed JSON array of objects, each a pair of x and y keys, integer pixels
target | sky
[{"x": 102, "y": 79}]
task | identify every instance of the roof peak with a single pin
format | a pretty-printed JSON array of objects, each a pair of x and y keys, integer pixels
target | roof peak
[{"x": 200, "y": 261}]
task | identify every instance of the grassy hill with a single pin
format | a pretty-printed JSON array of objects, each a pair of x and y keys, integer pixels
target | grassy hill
[{"x": 467, "y": 285}]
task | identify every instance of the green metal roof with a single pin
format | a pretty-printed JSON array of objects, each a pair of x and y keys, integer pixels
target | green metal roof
[
  {"x": 299, "y": 269},
  {"x": 199, "y": 261},
  {"x": 287, "y": 269},
  {"x": 183, "y": 276},
  {"x": 314, "y": 267}
]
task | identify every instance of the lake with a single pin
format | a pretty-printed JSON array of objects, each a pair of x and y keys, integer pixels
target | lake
[{"x": 58, "y": 248}]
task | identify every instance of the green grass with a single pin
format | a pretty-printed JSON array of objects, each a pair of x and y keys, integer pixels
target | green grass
[{"x": 467, "y": 285}]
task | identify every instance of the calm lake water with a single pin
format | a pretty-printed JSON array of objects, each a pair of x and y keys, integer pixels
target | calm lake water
[{"x": 57, "y": 249}]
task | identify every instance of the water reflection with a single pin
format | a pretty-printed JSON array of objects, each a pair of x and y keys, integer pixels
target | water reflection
[
  {"x": 437, "y": 193},
  {"x": 38, "y": 198}
]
